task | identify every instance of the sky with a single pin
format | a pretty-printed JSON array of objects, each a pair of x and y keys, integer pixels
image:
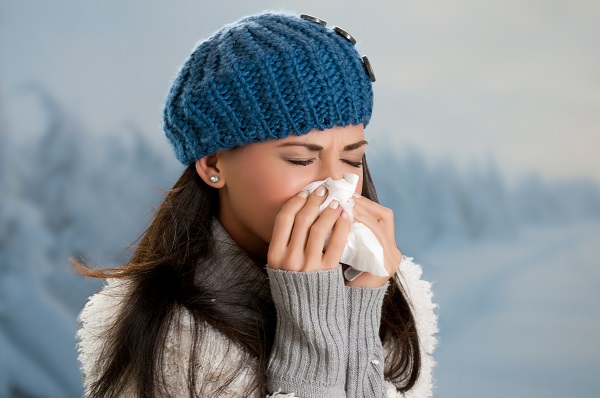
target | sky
[{"x": 511, "y": 80}]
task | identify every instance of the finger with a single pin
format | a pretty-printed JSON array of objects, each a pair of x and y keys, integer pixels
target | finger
[
  {"x": 319, "y": 232},
  {"x": 392, "y": 255},
  {"x": 337, "y": 241},
  {"x": 305, "y": 218},
  {"x": 380, "y": 212},
  {"x": 368, "y": 209},
  {"x": 372, "y": 223},
  {"x": 282, "y": 228}
]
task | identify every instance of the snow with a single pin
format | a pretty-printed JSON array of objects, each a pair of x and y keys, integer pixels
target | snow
[
  {"x": 65, "y": 194},
  {"x": 520, "y": 317},
  {"x": 36, "y": 334},
  {"x": 515, "y": 269}
]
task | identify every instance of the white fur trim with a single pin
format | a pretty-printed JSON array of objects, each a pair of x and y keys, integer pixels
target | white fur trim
[
  {"x": 421, "y": 300},
  {"x": 98, "y": 314}
]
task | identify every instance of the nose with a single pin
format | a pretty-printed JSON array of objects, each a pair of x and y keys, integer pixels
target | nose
[{"x": 331, "y": 167}]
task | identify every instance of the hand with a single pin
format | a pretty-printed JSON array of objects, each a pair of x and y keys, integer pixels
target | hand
[
  {"x": 380, "y": 220},
  {"x": 299, "y": 234}
]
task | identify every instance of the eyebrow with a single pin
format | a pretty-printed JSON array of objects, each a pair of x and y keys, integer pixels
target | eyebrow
[
  {"x": 317, "y": 148},
  {"x": 356, "y": 145}
]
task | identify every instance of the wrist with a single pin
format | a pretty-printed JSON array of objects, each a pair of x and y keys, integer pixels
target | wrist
[{"x": 310, "y": 350}]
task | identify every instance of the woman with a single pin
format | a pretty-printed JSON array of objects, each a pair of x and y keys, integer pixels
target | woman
[{"x": 236, "y": 287}]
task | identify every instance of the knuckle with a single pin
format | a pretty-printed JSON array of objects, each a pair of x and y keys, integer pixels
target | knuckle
[
  {"x": 318, "y": 230},
  {"x": 313, "y": 264},
  {"x": 287, "y": 210},
  {"x": 335, "y": 244},
  {"x": 293, "y": 267},
  {"x": 283, "y": 215},
  {"x": 304, "y": 218},
  {"x": 288, "y": 205},
  {"x": 292, "y": 205},
  {"x": 388, "y": 213},
  {"x": 273, "y": 261}
]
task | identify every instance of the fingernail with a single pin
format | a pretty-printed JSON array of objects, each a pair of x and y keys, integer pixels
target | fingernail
[
  {"x": 303, "y": 194},
  {"x": 334, "y": 204},
  {"x": 345, "y": 215},
  {"x": 321, "y": 190}
]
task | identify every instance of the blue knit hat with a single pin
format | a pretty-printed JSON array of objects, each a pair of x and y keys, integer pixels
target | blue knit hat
[{"x": 265, "y": 77}]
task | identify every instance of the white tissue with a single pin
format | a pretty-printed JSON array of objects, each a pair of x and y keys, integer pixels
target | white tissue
[{"x": 363, "y": 252}]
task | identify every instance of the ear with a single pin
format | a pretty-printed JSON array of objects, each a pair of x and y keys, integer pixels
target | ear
[{"x": 207, "y": 168}]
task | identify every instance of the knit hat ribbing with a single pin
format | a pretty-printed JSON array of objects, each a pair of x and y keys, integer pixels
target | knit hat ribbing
[{"x": 265, "y": 77}]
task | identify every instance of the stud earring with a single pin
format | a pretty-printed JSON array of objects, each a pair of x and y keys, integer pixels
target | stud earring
[{"x": 214, "y": 178}]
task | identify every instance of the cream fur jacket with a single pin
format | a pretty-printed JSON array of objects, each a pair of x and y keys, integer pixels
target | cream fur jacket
[{"x": 217, "y": 352}]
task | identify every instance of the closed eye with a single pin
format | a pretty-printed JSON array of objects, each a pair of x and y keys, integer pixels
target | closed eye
[
  {"x": 300, "y": 162},
  {"x": 351, "y": 163}
]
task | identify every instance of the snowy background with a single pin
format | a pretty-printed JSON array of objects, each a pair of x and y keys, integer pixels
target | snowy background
[{"x": 484, "y": 141}]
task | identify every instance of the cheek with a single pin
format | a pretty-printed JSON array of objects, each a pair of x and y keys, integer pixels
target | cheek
[
  {"x": 278, "y": 189},
  {"x": 258, "y": 193},
  {"x": 359, "y": 186}
]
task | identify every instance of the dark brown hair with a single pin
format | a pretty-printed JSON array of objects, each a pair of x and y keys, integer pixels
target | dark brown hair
[{"x": 162, "y": 273}]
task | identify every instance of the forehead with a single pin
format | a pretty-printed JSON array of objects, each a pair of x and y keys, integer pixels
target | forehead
[
  {"x": 337, "y": 134},
  {"x": 335, "y": 138}
]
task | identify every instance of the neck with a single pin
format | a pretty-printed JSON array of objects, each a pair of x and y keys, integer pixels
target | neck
[{"x": 254, "y": 247}]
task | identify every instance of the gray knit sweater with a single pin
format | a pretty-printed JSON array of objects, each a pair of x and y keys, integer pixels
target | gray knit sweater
[{"x": 326, "y": 341}]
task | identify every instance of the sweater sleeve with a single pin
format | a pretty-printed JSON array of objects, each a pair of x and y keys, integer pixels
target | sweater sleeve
[
  {"x": 420, "y": 296},
  {"x": 365, "y": 351},
  {"x": 310, "y": 351}
]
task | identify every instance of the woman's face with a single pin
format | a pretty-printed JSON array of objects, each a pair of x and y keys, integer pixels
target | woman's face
[{"x": 259, "y": 178}]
